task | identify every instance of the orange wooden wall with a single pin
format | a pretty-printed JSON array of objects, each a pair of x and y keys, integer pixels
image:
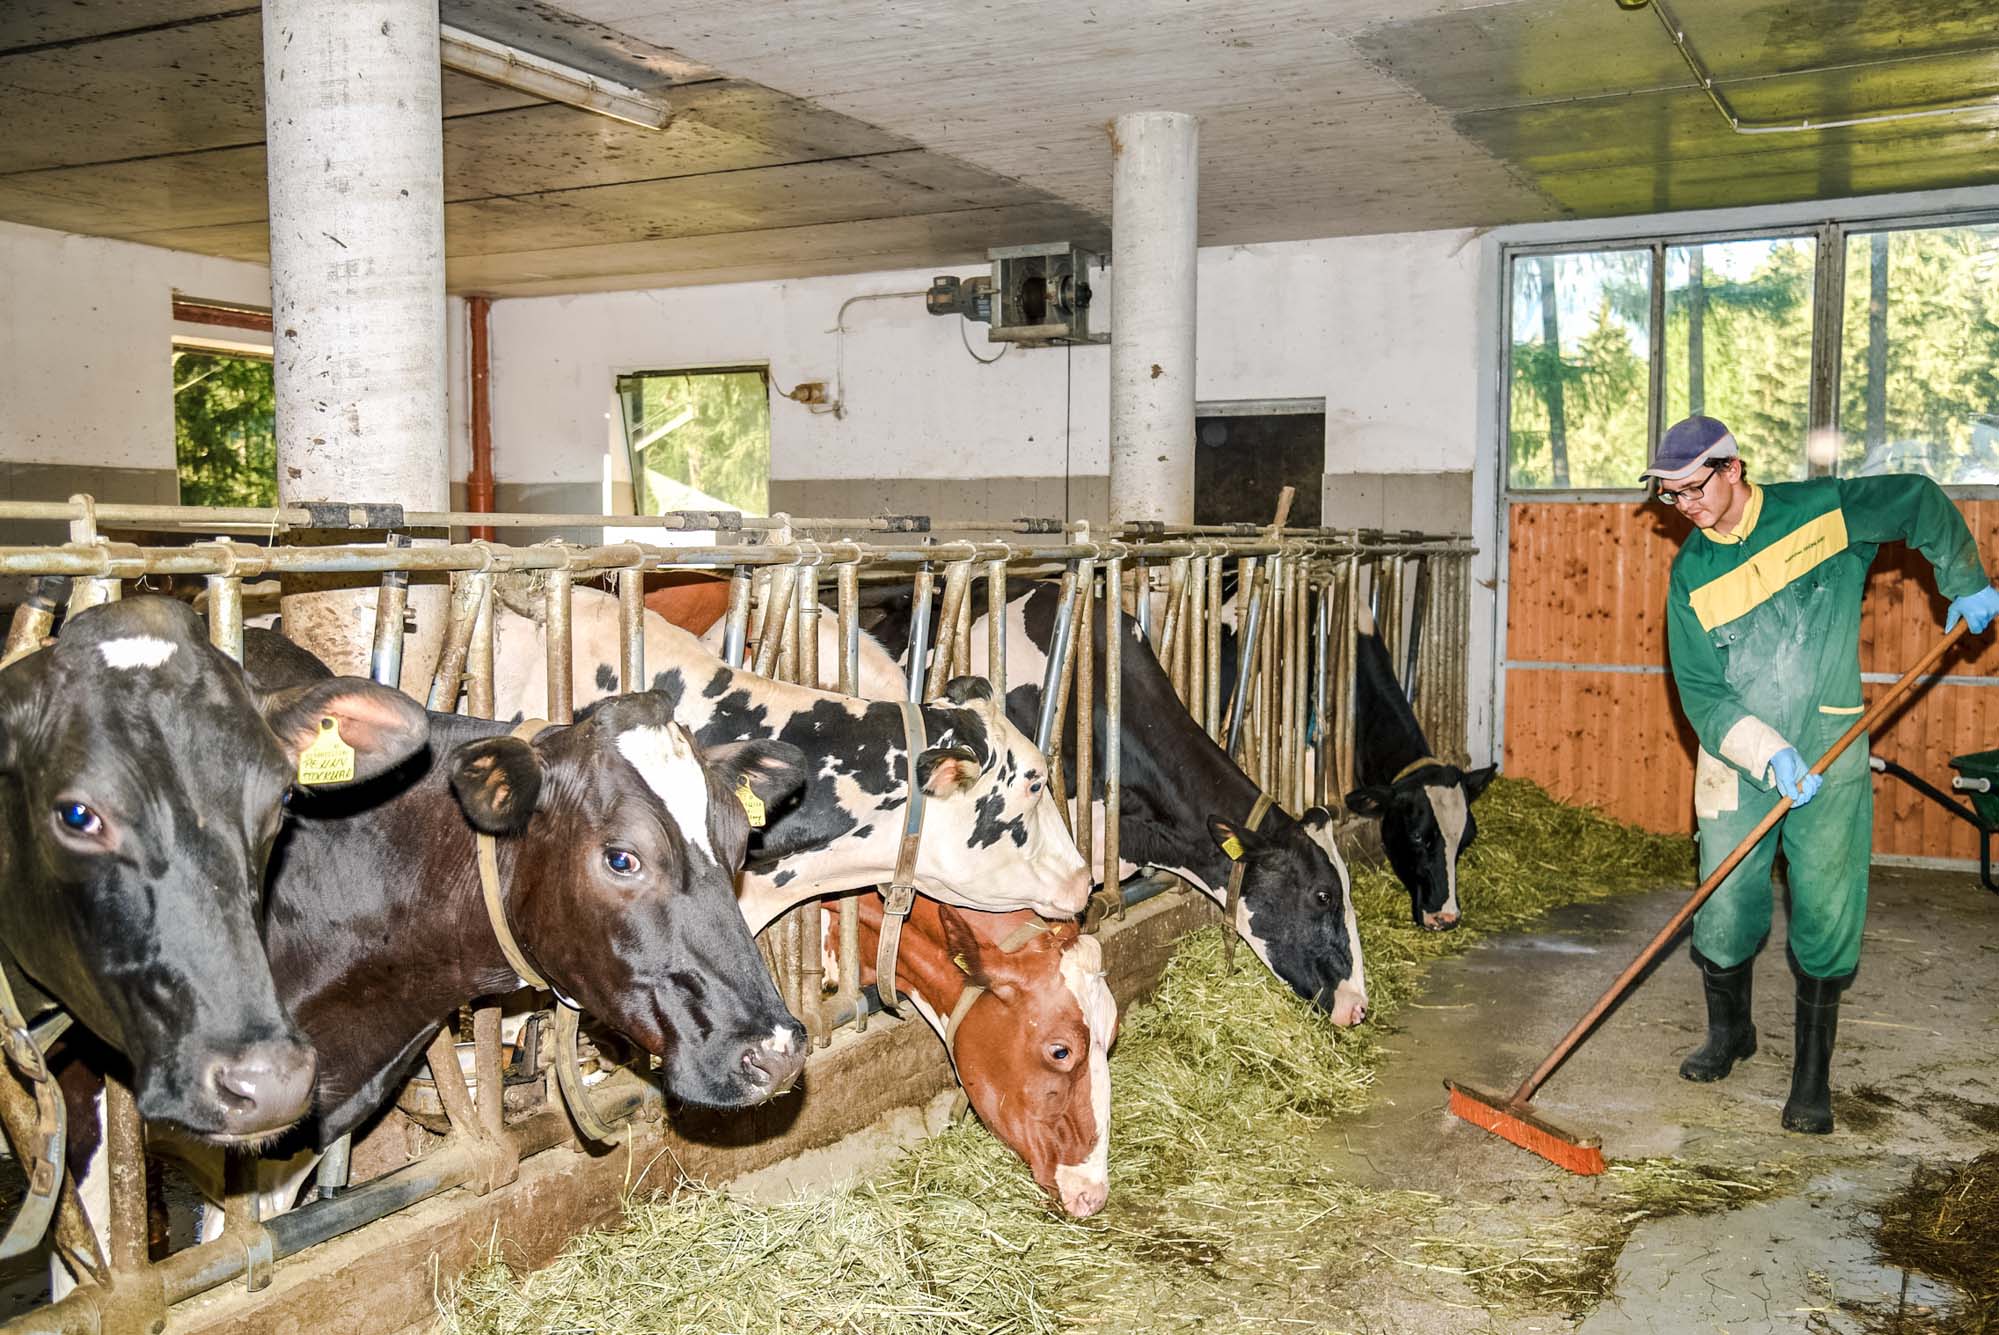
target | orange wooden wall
[{"x": 1587, "y": 585}]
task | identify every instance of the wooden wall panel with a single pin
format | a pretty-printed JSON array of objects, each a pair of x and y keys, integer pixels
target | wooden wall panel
[{"x": 1587, "y": 585}]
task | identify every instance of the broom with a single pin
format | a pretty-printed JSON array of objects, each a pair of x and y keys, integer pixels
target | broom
[{"x": 1512, "y": 1118}]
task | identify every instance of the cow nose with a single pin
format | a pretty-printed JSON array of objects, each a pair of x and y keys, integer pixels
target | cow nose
[
  {"x": 1439, "y": 922},
  {"x": 1072, "y": 898},
  {"x": 1085, "y": 1199},
  {"x": 262, "y": 1089},
  {"x": 770, "y": 1065}
]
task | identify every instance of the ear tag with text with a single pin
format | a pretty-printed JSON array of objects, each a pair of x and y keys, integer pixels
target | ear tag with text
[
  {"x": 753, "y": 806},
  {"x": 328, "y": 759},
  {"x": 1233, "y": 847}
]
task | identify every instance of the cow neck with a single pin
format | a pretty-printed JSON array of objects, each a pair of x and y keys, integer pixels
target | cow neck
[
  {"x": 1216, "y": 788},
  {"x": 1387, "y": 736},
  {"x": 489, "y": 884},
  {"x": 1238, "y": 869}
]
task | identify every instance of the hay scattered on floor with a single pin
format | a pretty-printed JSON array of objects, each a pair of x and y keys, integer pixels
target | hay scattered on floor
[
  {"x": 1225, "y": 1087},
  {"x": 1945, "y": 1223}
]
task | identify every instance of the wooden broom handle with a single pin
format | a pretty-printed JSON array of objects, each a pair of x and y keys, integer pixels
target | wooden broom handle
[{"x": 1889, "y": 700}]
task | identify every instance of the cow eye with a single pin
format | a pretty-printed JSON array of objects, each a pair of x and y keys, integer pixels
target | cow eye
[
  {"x": 1034, "y": 788},
  {"x": 79, "y": 818},
  {"x": 1059, "y": 1051},
  {"x": 622, "y": 861},
  {"x": 1324, "y": 898}
]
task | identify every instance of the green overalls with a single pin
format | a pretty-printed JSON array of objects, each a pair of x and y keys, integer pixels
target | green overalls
[{"x": 1763, "y": 626}]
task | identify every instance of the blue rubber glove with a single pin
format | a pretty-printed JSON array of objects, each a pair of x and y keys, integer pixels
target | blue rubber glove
[
  {"x": 1976, "y": 610},
  {"x": 1793, "y": 777}
]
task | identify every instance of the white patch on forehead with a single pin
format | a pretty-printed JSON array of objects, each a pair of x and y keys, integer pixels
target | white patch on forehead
[
  {"x": 1453, "y": 814},
  {"x": 1082, "y": 973},
  {"x": 665, "y": 759},
  {"x": 136, "y": 651}
]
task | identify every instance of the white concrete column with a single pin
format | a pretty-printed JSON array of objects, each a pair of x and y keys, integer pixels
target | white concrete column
[
  {"x": 1155, "y": 179},
  {"x": 354, "y": 123}
]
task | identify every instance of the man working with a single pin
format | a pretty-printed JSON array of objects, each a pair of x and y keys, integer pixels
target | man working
[{"x": 1763, "y": 626}]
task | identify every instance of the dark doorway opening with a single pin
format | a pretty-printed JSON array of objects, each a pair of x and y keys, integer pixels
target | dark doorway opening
[{"x": 1245, "y": 453}]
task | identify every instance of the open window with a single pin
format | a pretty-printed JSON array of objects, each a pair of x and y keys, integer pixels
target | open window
[
  {"x": 225, "y": 408},
  {"x": 698, "y": 440}
]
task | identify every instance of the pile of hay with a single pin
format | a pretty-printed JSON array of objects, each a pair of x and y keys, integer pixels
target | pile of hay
[
  {"x": 1945, "y": 1223},
  {"x": 1222, "y": 1080}
]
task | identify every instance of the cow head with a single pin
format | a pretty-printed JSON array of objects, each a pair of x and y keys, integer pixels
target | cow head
[
  {"x": 993, "y": 837},
  {"x": 1033, "y": 1051},
  {"x": 1296, "y": 911},
  {"x": 143, "y": 784},
  {"x": 624, "y": 839},
  {"x": 1426, "y": 825}
]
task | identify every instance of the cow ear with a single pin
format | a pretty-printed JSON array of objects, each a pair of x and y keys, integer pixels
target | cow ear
[
  {"x": 1233, "y": 839},
  {"x": 21, "y": 684},
  {"x": 773, "y": 770},
  {"x": 498, "y": 783},
  {"x": 946, "y": 771},
  {"x": 384, "y": 726},
  {"x": 964, "y": 690},
  {"x": 1371, "y": 801},
  {"x": 1315, "y": 819},
  {"x": 1477, "y": 780},
  {"x": 961, "y": 946}
]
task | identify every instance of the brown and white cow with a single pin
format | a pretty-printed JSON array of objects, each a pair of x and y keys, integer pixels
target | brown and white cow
[
  {"x": 1024, "y": 1008},
  {"x": 992, "y": 837}
]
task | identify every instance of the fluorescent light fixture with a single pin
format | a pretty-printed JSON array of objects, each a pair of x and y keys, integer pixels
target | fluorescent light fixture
[{"x": 496, "y": 62}]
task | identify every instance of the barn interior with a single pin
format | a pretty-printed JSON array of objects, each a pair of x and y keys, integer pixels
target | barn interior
[{"x": 1398, "y": 300}]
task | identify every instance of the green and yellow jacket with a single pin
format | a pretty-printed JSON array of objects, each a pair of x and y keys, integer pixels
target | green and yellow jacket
[{"x": 1763, "y": 624}]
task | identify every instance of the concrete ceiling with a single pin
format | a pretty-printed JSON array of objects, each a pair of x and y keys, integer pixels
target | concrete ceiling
[{"x": 826, "y": 136}]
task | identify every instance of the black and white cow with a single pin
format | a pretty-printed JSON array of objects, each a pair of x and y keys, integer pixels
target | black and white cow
[
  {"x": 143, "y": 783},
  {"x": 1423, "y": 804},
  {"x": 1184, "y": 800},
  {"x": 618, "y": 841},
  {"x": 992, "y": 837}
]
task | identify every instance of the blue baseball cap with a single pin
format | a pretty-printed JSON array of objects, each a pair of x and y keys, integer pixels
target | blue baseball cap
[{"x": 1687, "y": 445}]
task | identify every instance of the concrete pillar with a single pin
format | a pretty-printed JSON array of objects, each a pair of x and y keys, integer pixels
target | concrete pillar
[
  {"x": 1155, "y": 178},
  {"x": 354, "y": 127}
]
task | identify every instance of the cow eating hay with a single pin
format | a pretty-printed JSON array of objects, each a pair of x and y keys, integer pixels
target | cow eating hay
[{"x": 1223, "y": 1079}]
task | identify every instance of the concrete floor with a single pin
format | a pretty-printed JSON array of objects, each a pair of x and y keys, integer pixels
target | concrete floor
[{"x": 1916, "y": 1079}]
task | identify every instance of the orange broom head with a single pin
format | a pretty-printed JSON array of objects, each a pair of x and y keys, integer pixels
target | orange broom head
[{"x": 1527, "y": 1129}]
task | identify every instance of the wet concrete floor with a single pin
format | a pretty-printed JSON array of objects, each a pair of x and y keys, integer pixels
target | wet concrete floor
[{"x": 1915, "y": 1076}]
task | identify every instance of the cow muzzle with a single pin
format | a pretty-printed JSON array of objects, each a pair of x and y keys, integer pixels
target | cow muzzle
[
  {"x": 772, "y": 1065},
  {"x": 1349, "y": 1006},
  {"x": 253, "y": 1093}
]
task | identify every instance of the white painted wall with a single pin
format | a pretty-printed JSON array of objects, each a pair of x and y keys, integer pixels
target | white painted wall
[
  {"x": 86, "y": 335},
  {"x": 1384, "y": 328}
]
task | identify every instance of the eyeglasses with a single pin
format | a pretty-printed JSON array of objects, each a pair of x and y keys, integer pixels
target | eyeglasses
[{"x": 1674, "y": 497}]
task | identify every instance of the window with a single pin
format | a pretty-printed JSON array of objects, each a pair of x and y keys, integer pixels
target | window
[
  {"x": 698, "y": 440},
  {"x": 1847, "y": 349},
  {"x": 225, "y": 441},
  {"x": 1919, "y": 354},
  {"x": 1246, "y": 454},
  {"x": 1580, "y": 358},
  {"x": 1739, "y": 346}
]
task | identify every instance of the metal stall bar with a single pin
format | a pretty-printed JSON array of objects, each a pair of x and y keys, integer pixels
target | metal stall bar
[
  {"x": 1085, "y": 673},
  {"x": 632, "y": 629},
  {"x": 847, "y": 994},
  {"x": 919, "y": 629},
  {"x": 996, "y": 629},
  {"x": 1113, "y": 726},
  {"x": 957, "y": 587},
  {"x": 1211, "y": 708},
  {"x": 809, "y": 960}
]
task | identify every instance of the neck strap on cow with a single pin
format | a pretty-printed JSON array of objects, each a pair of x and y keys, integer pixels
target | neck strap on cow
[
  {"x": 900, "y": 896},
  {"x": 33, "y": 1111},
  {"x": 568, "y": 1019},
  {"x": 1236, "y": 873},
  {"x": 1421, "y": 762},
  {"x": 967, "y": 998}
]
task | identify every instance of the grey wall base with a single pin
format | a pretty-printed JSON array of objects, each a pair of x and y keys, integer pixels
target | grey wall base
[
  {"x": 1432, "y": 502},
  {"x": 945, "y": 497}
]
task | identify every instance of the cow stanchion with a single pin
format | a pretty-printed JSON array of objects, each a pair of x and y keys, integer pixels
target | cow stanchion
[
  {"x": 847, "y": 993},
  {"x": 996, "y": 628},
  {"x": 1085, "y": 673},
  {"x": 736, "y": 621},
  {"x": 632, "y": 628},
  {"x": 1113, "y": 728}
]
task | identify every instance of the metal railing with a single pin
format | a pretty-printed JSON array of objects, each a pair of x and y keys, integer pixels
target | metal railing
[{"x": 1298, "y": 609}]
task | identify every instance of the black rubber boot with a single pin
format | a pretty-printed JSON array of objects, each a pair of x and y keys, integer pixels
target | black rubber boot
[
  {"x": 1809, "y": 1109},
  {"x": 1730, "y": 1035}
]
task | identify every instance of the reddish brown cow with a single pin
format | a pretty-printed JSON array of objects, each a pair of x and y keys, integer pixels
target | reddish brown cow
[
  {"x": 1032, "y": 1042},
  {"x": 694, "y": 600}
]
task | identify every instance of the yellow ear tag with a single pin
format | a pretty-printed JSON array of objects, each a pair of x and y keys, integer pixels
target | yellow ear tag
[
  {"x": 328, "y": 759},
  {"x": 1233, "y": 847},
  {"x": 753, "y": 806}
]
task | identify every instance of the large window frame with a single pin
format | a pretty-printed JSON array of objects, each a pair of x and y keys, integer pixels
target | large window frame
[{"x": 1828, "y": 312}]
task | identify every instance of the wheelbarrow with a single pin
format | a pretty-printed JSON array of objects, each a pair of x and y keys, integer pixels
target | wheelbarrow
[{"x": 1977, "y": 775}]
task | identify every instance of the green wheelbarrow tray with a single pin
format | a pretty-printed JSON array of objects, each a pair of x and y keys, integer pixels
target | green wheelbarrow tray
[{"x": 1978, "y": 779}]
